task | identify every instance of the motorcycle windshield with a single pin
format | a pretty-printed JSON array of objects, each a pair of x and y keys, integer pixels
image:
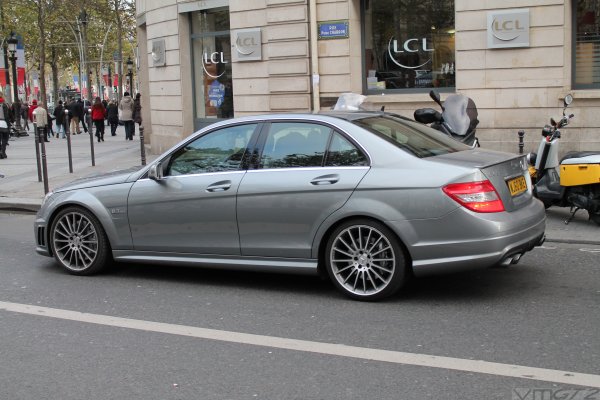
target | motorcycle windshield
[{"x": 456, "y": 114}]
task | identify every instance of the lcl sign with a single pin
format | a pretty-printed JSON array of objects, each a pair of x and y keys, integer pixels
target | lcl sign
[
  {"x": 247, "y": 44},
  {"x": 508, "y": 28}
]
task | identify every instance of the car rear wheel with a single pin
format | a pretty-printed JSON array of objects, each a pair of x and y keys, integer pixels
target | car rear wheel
[
  {"x": 365, "y": 261},
  {"x": 78, "y": 242}
]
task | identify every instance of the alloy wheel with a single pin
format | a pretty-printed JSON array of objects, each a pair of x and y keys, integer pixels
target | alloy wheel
[{"x": 364, "y": 261}]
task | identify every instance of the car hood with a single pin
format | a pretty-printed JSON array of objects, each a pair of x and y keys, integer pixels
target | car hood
[{"x": 110, "y": 178}]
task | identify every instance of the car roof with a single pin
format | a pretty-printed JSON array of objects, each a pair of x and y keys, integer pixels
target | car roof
[{"x": 347, "y": 115}]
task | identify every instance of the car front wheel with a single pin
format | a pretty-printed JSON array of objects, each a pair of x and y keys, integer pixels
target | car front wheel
[
  {"x": 78, "y": 242},
  {"x": 365, "y": 261}
]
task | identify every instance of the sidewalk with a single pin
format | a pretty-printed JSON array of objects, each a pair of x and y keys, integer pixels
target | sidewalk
[{"x": 20, "y": 189}]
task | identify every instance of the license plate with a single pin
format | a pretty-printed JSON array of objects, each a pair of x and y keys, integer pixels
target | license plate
[{"x": 517, "y": 185}]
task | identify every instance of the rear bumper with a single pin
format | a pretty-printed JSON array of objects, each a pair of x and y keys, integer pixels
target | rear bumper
[{"x": 479, "y": 240}]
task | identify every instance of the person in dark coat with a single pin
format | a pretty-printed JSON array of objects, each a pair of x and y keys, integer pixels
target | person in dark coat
[
  {"x": 5, "y": 119},
  {"x": 75, "y": 115},
  {"x": 83, "y": 112},
  {"x": 113, "y": 117},
  {"x": 59, "y": 115},
  {"x": 25, "y": 115},
  {"x": 137, "y": 111}
]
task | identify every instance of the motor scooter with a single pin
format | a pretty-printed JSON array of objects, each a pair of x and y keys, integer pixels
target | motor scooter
[
  {"x": 458, "y": 118},
  {"x": 574, "y": 181}
]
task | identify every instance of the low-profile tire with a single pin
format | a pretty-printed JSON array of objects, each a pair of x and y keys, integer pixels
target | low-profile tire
[
  {"x": 595, "y": 217},
  {"x": 365, "y": 260},
  {"x": 78, "y": 242}
]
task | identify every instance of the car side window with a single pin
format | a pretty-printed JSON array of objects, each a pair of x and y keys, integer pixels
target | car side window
[
  {"x": 295, "y": 144},
  {"x": 216, "y": 151},
  {"x": 342, "y": 153}
]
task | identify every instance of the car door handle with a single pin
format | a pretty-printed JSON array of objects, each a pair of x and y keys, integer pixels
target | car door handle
[
  {"x": 325, "y": 180},
  {"x": 219, "y": 186}
]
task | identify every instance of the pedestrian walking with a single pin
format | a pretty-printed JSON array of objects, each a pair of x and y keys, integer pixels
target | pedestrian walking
[
  {"x": 82, "y": 112},
  {"x": 34, "y": 105},
  {"x": 49, "y": 130},
  {"x": 31, "y": 110},
  {"x": 5, "y": 123},
  {"x": 113, "y": 117},
  {"x": 105, "y": 104},
  {"x": 59, "y": 116},
  {"x": 126, "y": 111},
  {"x": 137, "y": 111},
  {"x": 98, "y": 115},
  {"x": 25, "y": 115},
  {"x": 74, "y": 114}
]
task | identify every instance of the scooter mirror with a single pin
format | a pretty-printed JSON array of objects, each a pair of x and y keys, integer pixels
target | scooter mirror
[
  {"x": 568, "y": 99},
  {"x": 436, "y": 97}
]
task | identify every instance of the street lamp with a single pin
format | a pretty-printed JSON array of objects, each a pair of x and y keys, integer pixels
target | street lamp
[
  {"x": 130, "y": 73},
  {"x": 12, "y": 42},
  {"x": 84, "y": 19}
]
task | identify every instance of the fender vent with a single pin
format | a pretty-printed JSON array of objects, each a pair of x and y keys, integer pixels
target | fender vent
[{"x": 41, "y": 236}]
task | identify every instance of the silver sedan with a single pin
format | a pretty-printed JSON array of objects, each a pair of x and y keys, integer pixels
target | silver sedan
[{"x": 368, "y": 199}]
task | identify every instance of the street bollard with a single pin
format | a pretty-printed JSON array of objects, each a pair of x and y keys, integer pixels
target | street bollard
[
  {"x": 68, "y": 134},
  {"x": 88, "y": 117},
  {"x": 40, "y": 118},
  {"x": 37, "y": 153},
  {"x": 142, "y": 145},
  {"x": 521, "y": 144},
  {"x": 42, "y": 134}
]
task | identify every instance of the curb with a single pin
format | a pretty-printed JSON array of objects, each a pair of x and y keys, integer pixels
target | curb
[{"x": 21, "y": 205}]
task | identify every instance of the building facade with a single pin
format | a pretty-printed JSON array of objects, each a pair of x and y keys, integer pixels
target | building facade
[{"x": 204, "y": 60}]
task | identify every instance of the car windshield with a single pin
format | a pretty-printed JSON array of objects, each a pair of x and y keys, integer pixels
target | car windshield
[{"x": 411, "y": 136}]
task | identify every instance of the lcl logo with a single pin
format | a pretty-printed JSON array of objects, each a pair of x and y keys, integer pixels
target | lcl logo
[
  {"x": 216, "y": 57},
  {"x": 507, "y": 29},
  {"x": 246, "y": 45},
  {"x": 409, "y": 46}
]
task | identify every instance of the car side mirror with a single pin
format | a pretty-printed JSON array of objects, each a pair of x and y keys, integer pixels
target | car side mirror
[{"x": 155, "y": 172}]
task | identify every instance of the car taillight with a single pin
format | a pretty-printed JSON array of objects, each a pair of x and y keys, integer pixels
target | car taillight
[{"x": 476, "y": 196}]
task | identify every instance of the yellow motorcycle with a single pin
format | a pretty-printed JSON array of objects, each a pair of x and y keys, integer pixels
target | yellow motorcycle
[{"x": 574, "y": 181}]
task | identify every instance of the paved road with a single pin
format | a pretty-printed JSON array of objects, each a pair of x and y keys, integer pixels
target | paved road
[{"x": 541, "y": 313}]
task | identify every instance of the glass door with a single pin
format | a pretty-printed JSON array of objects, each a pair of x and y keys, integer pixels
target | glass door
[{"x": 211, "y": 47}]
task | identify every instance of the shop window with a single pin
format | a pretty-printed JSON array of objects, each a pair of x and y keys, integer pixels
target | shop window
[
  {"x": 211, "y": 46},
  {"x": 586, "y": 59},
  {"x": 408, "y": 45}
]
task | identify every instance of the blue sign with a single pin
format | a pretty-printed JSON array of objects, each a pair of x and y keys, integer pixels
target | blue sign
[
  {"x": 216, "y": 93},
  {"x": 333, "y": 30}
]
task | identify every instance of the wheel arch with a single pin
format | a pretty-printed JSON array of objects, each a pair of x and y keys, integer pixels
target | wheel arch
[
  {"x": 63, "y": 206},
  {"x": 322, "y": 241}
]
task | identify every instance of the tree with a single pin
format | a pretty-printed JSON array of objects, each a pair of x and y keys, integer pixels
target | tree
[{"x": 52, "y": 34}]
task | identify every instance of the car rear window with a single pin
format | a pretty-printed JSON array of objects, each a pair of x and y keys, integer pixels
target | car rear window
[{"x": 413, "y": 137}]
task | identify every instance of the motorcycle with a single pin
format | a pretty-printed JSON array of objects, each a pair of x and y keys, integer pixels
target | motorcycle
[
  {"x": 458, "y": 118},
  {"x": 574, "y": 181}
]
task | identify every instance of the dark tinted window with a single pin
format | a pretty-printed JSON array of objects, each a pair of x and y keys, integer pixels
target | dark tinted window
[
  {"x": 342, "y": 153},
  {"x": 408, "y": 44},
  {"x": 411, "y": 136},
  {"x": 587, "y": 44},
  {"x": 295, "y": 144},
  {"x": 220, "y": 150}
]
